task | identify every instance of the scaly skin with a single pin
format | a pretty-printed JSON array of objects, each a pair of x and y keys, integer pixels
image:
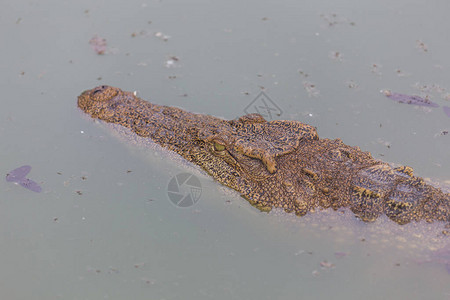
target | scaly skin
[{"x": 278, "y": 163}]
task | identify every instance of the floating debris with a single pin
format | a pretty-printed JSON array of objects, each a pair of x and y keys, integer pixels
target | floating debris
[
  {"x": 421, "y": 45},
  {"x": 336, "y": 55},
  {"x": 162, "y": 36},
  {"x": 443, "y": 132},
  {"x": 326, "y": 265},
  {"x": 430, "y": 88},
  {"x": 351, "y": 84},
  {"x": 375, "y": 69},
  {"x": 333, "y": 19},
  {"x": 171, "y": 62},
  {"x": 383, "y": 142},
  {"x": 311, "y": 89},
  {"x": 18, "y": 176},
  {"x": 409, "y": 99},
  {"x": 98, "y": 44},
  {"x": 401, "y": 73},
  {"x": 302, "y": 73}
]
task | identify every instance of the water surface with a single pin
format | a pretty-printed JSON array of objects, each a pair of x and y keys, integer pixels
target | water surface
[{"x": 103, "y": 226}]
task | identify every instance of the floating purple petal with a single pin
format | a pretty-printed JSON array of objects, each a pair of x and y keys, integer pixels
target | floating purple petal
[
  {"x": 30, "y": 184},
  {"x": 446, "y": 110},
  {"x": 18, "y": 174},
  {"x": 408, "y": 99}
]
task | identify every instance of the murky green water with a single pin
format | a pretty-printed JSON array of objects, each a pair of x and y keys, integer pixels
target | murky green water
[{"x": 103, "y": 226}]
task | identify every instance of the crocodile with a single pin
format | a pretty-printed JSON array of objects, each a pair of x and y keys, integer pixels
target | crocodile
[{"x": 276, "y": 164}]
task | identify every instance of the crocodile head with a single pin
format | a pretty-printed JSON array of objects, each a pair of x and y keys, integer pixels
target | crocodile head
[{"x": 241, "y": 153}]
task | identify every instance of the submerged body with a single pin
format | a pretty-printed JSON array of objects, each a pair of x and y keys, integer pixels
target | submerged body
[{"x": 278, "y": 163}]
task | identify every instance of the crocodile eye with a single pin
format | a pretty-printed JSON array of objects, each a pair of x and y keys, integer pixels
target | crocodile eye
[{"x": 218, "y": 147}]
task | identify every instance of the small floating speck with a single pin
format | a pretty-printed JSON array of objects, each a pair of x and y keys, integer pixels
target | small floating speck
[
  {"x": 334, "y": 19},
  {"x": 162, "y": 36},
  {"x": 401, "y": 73},
  {"x": 304, "y": 74},
  {"x": 421, "y": 45},
  {"x": 375, "y": 69},
  {"x": 170, "y": 63},
  {"x": 336, "y": 55},
  {"x": 311, "y": 89},
  {"x": 351, "y": 84},
  {"x": 326, "y": 265}
]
